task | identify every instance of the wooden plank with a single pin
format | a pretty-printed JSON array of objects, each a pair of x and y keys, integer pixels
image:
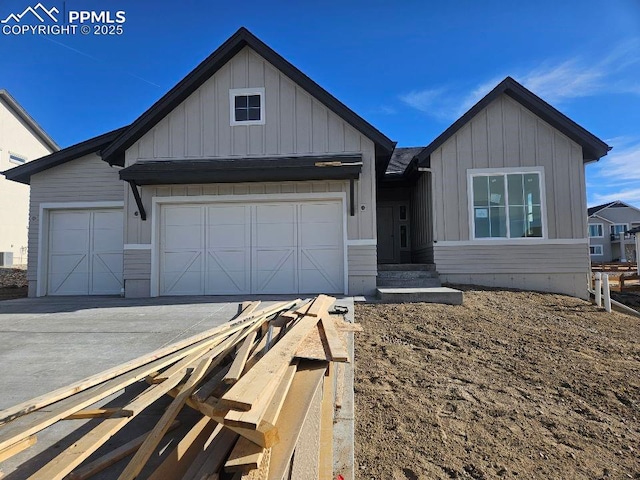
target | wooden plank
[
  {"x": 340, "y": 373},
  {"x": 314, "y": 346},
  {"x": 343, "y": 326},
  {"x": 81, "y": 449},
  {"x": 17, "y": 447},
  {"x": 251, "y": 386},
  {"x": 205, "y": 390},
  {"x": 99, "y": 413},
  {"x": 237, "y": 367},
  {"x": 335, "y": 341},
  {"x": 188, "y": 448},
  {"x": 146, "y": 450},
  {"x": 212, "y": 458},
  {"x": 296, "y": 406},
  {"x": 244, "y": 457},
  {"x": 47, "y": 399},
  {"x": 24, "y": 427},
  {"x": 262, "y": 471},
  {"x": 270, "y": 404},
  {"x": 326, "y": 425},
  {"x": 114, "y": 456},
  {"x": 317, "y": 306}
]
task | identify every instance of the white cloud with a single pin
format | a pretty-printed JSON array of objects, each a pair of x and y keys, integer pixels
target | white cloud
[
  {"x": 622, "y": 163},
  {"x": 631, "y": 195},
  {"x": 555, "y": 82},
  {"x": 423, "y": 100}
]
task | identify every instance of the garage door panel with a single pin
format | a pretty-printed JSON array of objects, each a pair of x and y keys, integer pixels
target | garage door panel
[
  {"x": 261, "y": 248},
  {"x": 85, "y": 252},
  {"x": 182, "y": 273},
  {"x": 228, "y": 272}
]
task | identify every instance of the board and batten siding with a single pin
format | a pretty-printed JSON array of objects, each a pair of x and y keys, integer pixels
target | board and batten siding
[
  {"x": 86, "y": 179},
  {"x": 295, "y": 124},
  {"x": 422, "y": 220},
  {"x": 507, "y": 135}
]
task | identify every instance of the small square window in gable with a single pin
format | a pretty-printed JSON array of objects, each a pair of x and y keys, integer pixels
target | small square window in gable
[{"x": 247, "y": 106}]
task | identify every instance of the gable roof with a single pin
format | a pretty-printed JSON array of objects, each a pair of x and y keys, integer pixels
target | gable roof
[
  {"x": 22, "y": 173},
  {"x": 114, "y": 153},
  {"x": 592, "y": 147},
  {"x": 595, "y": 215},
  {"x": 28, "y": 119},
  {"x": 616, "y": 203}
]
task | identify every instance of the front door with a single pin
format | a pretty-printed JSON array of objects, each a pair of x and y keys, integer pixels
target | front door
[{"x": 393, "y": 233}]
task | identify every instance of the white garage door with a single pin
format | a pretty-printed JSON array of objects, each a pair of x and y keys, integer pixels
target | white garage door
[
  {"x": 85, "y": 252},
  {"x": 260, "y": 248}
]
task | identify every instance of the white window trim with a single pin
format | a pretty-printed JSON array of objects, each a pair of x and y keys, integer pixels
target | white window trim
[
  {"x": 234, "y": 92},
  {"x": 601, "y": 230},
  {"x": 476, "y": 172},
  {"x": 158, "y": 202},
  {"x": 595, "y": 247},
  {"x": 43, "y": 233}
]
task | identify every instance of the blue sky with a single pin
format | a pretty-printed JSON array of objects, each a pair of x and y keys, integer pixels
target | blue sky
[{"x": 409, "y": 67}]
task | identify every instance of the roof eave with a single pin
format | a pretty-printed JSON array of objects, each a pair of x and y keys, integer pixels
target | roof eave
[{"x": 29, "y": 120}]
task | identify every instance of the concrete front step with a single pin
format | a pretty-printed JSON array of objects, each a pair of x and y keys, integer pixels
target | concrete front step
[
  {"x": 407, "y": 275},
  {"x": 444, "y": 295},
  {"x": 408, "y": 282},
  {"x": 406, "y": 266}
]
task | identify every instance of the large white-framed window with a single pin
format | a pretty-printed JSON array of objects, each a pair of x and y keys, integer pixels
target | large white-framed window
[
  {"x": 507, "y": 203},
  {"x": 246, "y": 106},
  {"x": 595, "y": 250},
  {"x": 596, "y": 230}
]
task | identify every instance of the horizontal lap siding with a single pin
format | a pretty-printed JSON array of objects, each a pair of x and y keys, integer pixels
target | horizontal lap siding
[
  {"x": 487, "y": 259},
  {"x": 362, "y": 260},
  {"x": 87, "y": 179},
  {"x": 137, "y": 264}
]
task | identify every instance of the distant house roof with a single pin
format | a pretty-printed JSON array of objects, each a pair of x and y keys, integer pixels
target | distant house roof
[
  {"x": 28, "y": 119},
  {"x": 592, "y": 147},
  {"x": 114, "y": 153},
  {"x": 635, "y": 230},
  {"x": 400, "y": 159},
  {"x": 615, "y": 204},
  {"x": 22, "y": 173}
]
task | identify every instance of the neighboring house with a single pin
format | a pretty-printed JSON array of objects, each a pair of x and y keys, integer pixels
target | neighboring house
[
  {"x": 21, "y": 140},
  {"x": 609, "y": 239},
  {"x": 249, "y": 178}
]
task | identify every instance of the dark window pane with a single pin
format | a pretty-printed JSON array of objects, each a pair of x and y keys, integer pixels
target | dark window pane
[
  {"x": 254, "y": 101},
  {"x": 534, "y": 221},
  {"x": 254, "y": 113},
  {"x": 403, "y": 212},
  {"x": 404, "y": 243},
  {"x": 496, "y": 190},
  {"x": 516, "y": 222},
  {"x": 498, "y": 222},
  {"x": 241, "y": 101},
  {"x": 532, "y": 189},
  {"x": 514, "y": 184},
  {"x": 480, "y": 191},
  {"x": 241, "y": 114},
  {"x": 481, "y": 222}
]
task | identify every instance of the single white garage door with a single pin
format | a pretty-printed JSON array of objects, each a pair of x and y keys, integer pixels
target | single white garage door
[
  {"x": 85, "y": 252},
  {"x": 257, "y": 248}
]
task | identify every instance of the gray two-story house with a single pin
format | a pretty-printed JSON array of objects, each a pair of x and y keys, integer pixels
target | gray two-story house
[{"x": 609, "y": 237}]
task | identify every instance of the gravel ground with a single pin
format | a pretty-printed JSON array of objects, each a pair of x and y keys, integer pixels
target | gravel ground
[
  {"x": 509, "y": 385},
  {"x": 13, "y": 283}
]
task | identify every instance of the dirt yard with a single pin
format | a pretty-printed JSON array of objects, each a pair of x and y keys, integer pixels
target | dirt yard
[
  {"x": 509, "y": 385},
  {"x": 13, "y": 283}
]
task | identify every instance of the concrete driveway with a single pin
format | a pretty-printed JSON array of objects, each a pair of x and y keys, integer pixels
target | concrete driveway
[{"x": 46, "y": 343}]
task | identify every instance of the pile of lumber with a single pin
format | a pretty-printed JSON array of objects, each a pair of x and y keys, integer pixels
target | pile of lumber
[{"x": 253, "y": 380}]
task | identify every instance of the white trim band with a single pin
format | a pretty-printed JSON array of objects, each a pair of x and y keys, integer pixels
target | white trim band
[
  {"x": 366, "y": 242},
  {"x": 519, "y": 241}
]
